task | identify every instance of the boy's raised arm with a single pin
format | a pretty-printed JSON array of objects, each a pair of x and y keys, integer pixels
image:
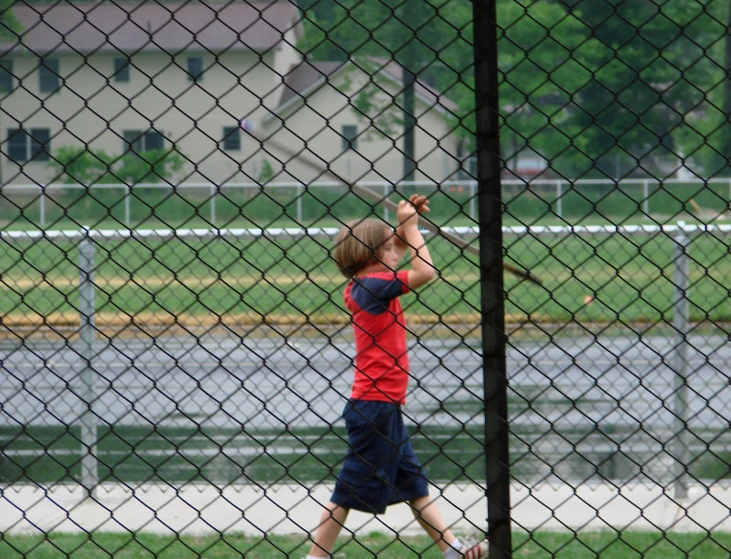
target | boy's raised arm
[
  {"x": 421, "y": 203},
  {"x": 409, "y": 236}
]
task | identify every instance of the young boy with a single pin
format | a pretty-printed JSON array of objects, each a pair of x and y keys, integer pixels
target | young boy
[{"x": 380, "y": 466}]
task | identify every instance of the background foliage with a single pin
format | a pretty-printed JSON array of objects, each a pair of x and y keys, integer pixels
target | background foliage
[{"x": 567, "y": 67}]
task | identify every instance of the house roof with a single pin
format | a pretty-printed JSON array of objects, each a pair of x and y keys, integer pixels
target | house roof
[
  {"x": 305, "y": 76},
  {"x": 308, "y": 76},
  {"x": 153, "y": 26}
]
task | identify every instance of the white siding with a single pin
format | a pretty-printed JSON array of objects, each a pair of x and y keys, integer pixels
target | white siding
[
  {"x": 158, "y": 94},
  {"x": 94, "y": 109},
  {"x": 377, "y": 156}
]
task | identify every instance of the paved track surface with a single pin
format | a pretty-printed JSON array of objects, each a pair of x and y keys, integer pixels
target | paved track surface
[{"x": 576, "y": 403}]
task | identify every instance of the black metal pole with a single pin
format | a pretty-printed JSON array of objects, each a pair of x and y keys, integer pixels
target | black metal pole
[{"x": 497, "y": 452}]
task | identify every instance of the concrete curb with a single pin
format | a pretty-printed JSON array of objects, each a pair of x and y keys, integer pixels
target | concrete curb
[{"x": 291, "y": 509}]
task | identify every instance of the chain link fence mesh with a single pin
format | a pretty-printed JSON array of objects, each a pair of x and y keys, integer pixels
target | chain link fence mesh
[{"x": 175, "y": 353}]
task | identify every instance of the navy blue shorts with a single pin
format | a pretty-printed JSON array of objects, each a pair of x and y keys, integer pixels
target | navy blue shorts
[{"x": 380, "y": 467}]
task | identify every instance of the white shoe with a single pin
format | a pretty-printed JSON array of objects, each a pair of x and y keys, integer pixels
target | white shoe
[{"x": 475, "y": 551}]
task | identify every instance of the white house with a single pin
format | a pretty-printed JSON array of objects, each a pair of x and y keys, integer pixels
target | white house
[
  {"x": 117, "y": 76},
  {"x": 321, "y": 112}
]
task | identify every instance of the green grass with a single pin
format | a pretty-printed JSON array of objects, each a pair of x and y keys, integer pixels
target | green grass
[
  {"x": 630, "y": 278},
  {"x": 538, "y": 545},
  {"x": 257, "y": 279}
]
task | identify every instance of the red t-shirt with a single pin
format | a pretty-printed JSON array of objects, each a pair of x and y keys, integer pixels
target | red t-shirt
[{"x": 381, "y": 362}]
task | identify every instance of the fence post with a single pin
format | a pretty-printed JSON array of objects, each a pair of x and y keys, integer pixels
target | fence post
[
  {"x": 89, "y": 472},
  {"x": 681, "y": 451},
  {"x": 473, "y": 189},
  {"x": 645, "y": 197},
  {"x": 492, "y": 295}
]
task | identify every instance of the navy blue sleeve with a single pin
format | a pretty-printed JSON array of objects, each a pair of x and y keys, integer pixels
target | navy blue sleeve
[{"x": 374, "y": 294}]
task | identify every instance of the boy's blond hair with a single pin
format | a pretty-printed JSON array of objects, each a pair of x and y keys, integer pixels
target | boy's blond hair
[{"x": 359, "y": 242}]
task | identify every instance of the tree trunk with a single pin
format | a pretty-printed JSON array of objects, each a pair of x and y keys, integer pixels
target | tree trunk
[
  {"x": 726, "y": 134},
  {"x": 409, "y": 127}
]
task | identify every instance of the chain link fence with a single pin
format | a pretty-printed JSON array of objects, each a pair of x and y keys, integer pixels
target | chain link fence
[{"x": 175, "y": 351}]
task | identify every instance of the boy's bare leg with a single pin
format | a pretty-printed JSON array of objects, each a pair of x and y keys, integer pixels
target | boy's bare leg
[
  {"x": 331, "y": 522},
  {"x": 428, "y": 516}
]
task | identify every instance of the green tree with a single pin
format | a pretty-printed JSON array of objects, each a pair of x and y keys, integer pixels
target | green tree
[
  {"x": 539, "y": 49},
  {"x": 87, "y": 167},
  {"x": 80, "y": 165},
  {"x": 712, "y": 142},
  {"x": 151, "y": 166},
  {"x": 266, "y": 174},
  {"x": 648, "y": 69},
  {"x": 9, "y": 25},
  {"x": 583, "y": 82},
  {"x": 434, "y": 41},
  {"x": 400, "y": 30},
  {"x": 73, "y": 165}
]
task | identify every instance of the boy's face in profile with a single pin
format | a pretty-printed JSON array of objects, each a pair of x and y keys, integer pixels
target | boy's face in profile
[{"x": 387, "y": 256}]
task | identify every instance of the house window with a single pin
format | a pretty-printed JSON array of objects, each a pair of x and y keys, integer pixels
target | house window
[
  {"x": 138, "y": 141},
  {"x": 40, "y": 144},
  {"x": 349, "y": 133},
  {"x": 121, "y": 70},
  {"x": 195, "y": 69},
  {"x": 231, "y": 138},
  {"x": 6, "y": 76},
  {"x": 24, "y": 146},
  {"x": 50, "y": 80}
]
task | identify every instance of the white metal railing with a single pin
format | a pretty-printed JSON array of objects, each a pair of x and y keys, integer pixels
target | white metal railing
[
  {"x": 559, "y": 186},
  {"x": 212, "y": 189},
  {"x": 319, "y": 232}
]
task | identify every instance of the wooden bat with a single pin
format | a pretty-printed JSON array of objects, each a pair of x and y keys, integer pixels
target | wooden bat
[{"x": 321, "y": 167}]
